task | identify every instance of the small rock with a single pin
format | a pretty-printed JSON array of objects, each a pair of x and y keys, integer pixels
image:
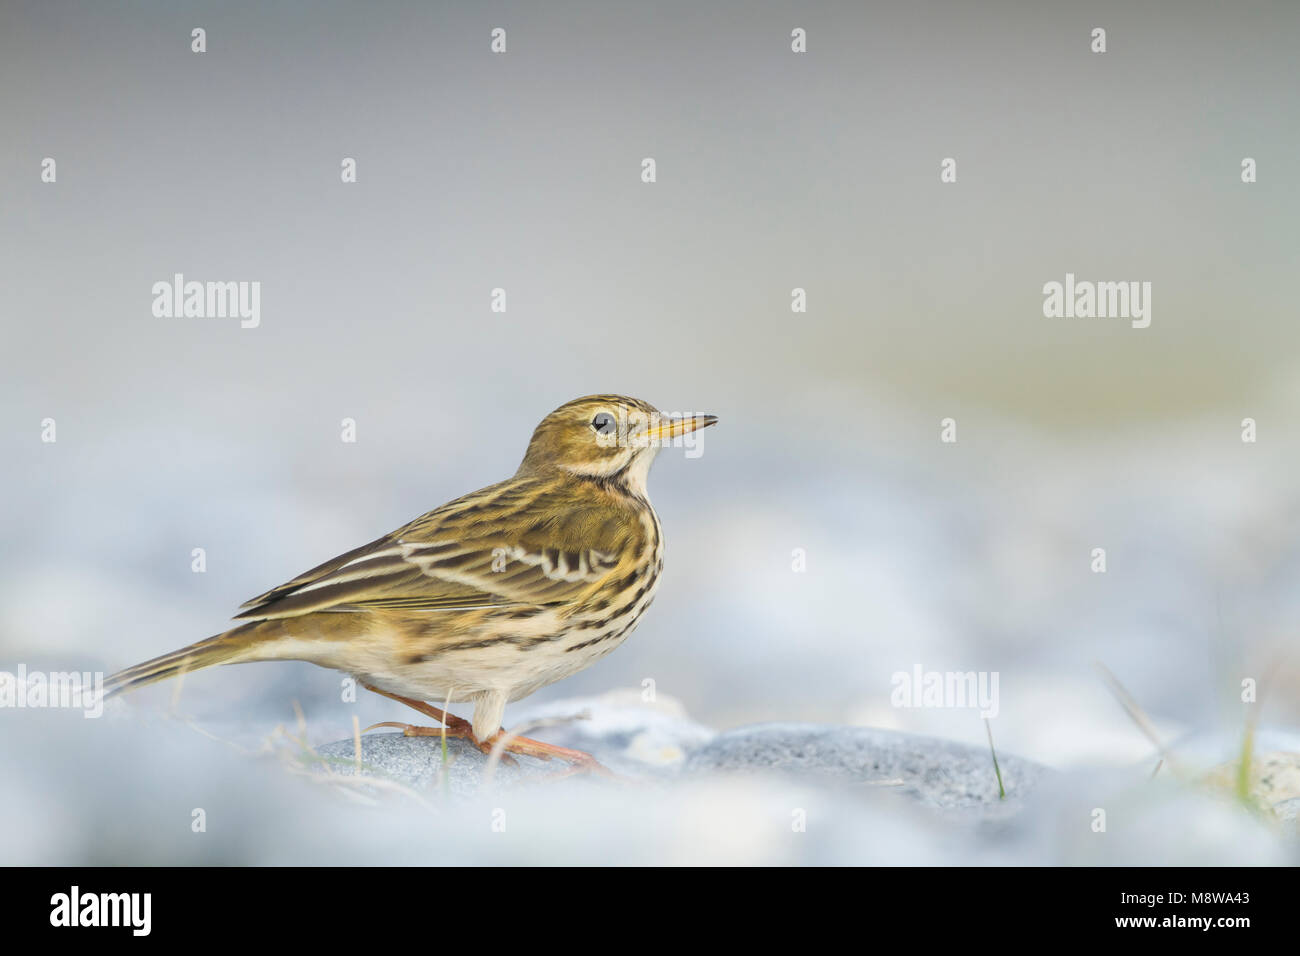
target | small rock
[
  {"x": 935, "y": 772},
  {"x": 656, "y": 740},
  {"x": 627, "y": 734},
  {"x": 417, "y": 763}
]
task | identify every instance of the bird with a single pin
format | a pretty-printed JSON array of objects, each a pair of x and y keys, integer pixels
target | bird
[{"x": 487, "y": 598}]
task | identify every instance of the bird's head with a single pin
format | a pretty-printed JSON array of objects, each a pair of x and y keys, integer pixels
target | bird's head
[{"x": 608, "y": 437}]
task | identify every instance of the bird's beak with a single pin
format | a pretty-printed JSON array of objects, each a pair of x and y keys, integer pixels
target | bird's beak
[{"x": 669, "y": 429}]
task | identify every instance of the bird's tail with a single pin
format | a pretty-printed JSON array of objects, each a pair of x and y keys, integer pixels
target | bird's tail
[{"x": 225, "y": 648}]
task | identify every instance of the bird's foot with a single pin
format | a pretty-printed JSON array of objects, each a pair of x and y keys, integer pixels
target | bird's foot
[
  {"x": 453, "y": 726},
  {"x": 578, "y": 761}
]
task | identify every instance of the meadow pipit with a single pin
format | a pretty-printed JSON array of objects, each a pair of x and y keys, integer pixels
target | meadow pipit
[{"x": 487, "y": 598}]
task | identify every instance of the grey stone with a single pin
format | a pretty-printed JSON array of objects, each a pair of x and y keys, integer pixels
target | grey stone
[
  {"x": 631, "y": 737},
  {"x": 417, "y": 763},
  {"x": 934, "y": 772},
  {"x": 656, "y": 742}
]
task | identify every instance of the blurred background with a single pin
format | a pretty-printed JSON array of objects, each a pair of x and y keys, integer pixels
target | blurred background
[{"x": 775, "y": 171}]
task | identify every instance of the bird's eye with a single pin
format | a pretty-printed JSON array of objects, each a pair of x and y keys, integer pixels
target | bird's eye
[{"x": 603, "y": 423}]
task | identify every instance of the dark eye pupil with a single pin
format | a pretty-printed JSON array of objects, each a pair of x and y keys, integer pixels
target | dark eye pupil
[{"x": 603, "y": 423}]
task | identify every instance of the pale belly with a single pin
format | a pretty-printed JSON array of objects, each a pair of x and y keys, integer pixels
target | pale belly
[{"x": 548, "y": 648}]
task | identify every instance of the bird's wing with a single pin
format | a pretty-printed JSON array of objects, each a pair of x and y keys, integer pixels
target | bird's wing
[{"x": 504, "y": 546}]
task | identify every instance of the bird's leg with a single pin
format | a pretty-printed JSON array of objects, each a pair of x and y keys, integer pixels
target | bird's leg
[{"x": 452, "y": 725}]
